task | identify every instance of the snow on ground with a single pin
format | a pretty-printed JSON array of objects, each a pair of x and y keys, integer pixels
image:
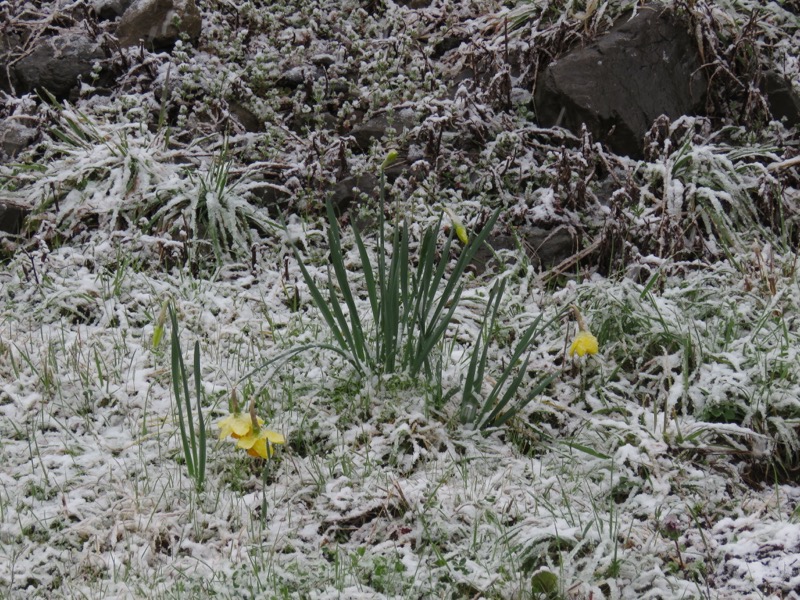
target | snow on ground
[
  {"x": 664, "y": 466},
  {"x": 374, "y": 495}
]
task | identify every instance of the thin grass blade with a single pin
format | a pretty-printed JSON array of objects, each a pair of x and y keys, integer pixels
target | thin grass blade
[
  {"x": 344, "y": 325},
  {"x": 427, "y": 341},
  {"x": 369, "y": 275},
  {"x": 178, "y": 376},
  {"x": 201, "y": 424},
  {"x": 521, "y": 347}
]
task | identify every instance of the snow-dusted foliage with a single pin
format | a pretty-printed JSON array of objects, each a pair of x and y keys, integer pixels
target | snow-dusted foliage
[{"x": 662, "y": 466}]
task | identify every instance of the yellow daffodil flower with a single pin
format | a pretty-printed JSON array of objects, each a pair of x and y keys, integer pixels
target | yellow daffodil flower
[
  {"x": 260, "y": 443},
  {"x": 236, "y": 425},
  {"x": 584, "y": 343},
  {"x": 246, "y": 430}
]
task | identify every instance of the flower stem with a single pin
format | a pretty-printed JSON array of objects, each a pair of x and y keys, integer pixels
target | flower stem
[
  {"x": 264, "y": 478},
  {"x": 579, "y": 318},
  {"x": 254, "y": 417}
]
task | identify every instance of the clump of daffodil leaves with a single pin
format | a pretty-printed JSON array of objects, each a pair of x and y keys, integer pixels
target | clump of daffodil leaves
[
  {"x": 247, "y": 431},
  {"x": 584, "y": 342}
]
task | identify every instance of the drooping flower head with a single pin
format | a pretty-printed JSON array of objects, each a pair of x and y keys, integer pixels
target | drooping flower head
[
  {"x": 236, "y": 424},
  {"x": 260, "y": 443},
  {"x": 584, "y": 343},
  {"x": 248, "y": 433}
]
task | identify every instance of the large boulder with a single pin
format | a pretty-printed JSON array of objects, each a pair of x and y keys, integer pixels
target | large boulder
[
  {"x": 57, "y": 63},
  {"x": 367, "y": 132},
  {"x": 159, "y": 23},
  {"x": 643, "y": 67},
  {"x": 547, "y": 245}
]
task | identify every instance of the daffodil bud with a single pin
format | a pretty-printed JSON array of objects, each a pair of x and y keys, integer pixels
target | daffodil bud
[
  {"x": 390, "y": 159},
  {"x": 461, "y": 231},
  {"x": 158, "y": 330}
]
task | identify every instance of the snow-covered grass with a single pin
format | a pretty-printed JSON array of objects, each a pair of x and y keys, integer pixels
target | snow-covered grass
[
  {"x": 640, "y": 473},
  {"x": 664, "y": 466}
]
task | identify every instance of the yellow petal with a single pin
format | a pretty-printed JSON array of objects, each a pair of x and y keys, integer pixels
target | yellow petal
[
  {"x": 236, "y": 425},
  {"x": 261, "y": 448},
  {"x": 260, "y": 444},
  {"x": 584, "y": 343},
  {"x": 247, "y": 441},
  {"x": 273, "y": 437},
  {"x": 264, "y": 447},
  {"x": 255, "y": 453},
  {"x": 225, "y": 427}
]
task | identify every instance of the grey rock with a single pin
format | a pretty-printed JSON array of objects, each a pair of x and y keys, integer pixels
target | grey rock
[
  {"x": 545, "y": 246},
  {"x": 153, "y": 22},
  {"x": 9, "y": 44},
  {"x": 56, "y": 64},
  {"x": 108, "y": 10},
  {"x": 643, "y": 67},
  {"x": 296, "y": 76},
  {"x": 304, "y": 122},
  {"x": 323, "y": 60},
  {"x": 349, "y": 189},
  {"x": 15, "y": 137},
  {"x": 249, "y": 121},
  {"x": 784, "y": 101},
  {"x": 415, "y": 3},
  {"x": 375, "y": 128},
  {"x": 12, "y": 216},
  {"x": 449, "y": 42},
  {"x": 272, "y": 195}
]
